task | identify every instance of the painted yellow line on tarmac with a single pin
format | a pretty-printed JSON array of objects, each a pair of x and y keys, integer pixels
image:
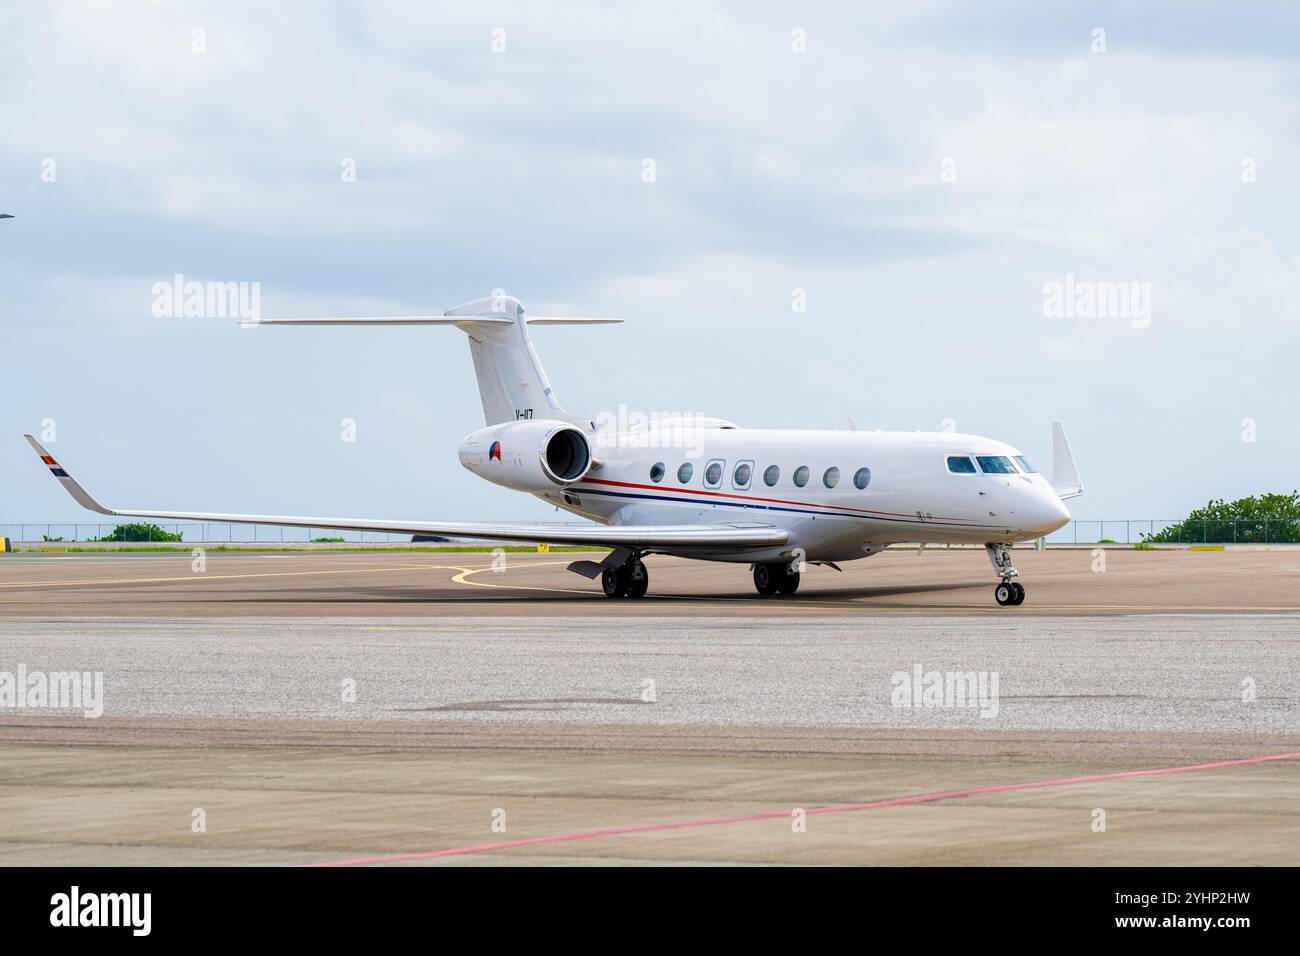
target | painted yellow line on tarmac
[
  {"x": 813, "y": 603},
  {"x": 810, "y": 603},
  {"x": 204, "y": 576},
  {"x": 463, "y": 578},
  {"x": 422, "y": 628}
]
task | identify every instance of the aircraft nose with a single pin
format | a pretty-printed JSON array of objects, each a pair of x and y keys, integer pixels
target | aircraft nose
[
  {"x": 1040, "y": 511},
  {"x": 1045, "y": 512}
]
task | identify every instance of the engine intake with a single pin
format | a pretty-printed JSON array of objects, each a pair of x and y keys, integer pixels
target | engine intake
[
  {"x": 567, "y": 455},
  {"x": 536, "y": 455}
]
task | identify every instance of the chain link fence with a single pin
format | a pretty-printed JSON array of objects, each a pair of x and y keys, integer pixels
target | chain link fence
[
  {"x": 53, "y": 532},
  {"x": 1188, "y": 531},
  {"x": 1082, "y": 531},
  {"x": 56, "y": 533}
]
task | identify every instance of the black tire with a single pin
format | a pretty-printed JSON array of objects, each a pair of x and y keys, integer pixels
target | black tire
[
  {"x": 765, "y": 578},
  {"x": 1005, "y": 594},
  {"x": 787, "y": 582},
  {"x": 1020, "y": 592},
  {"x": 638, "y": 580},
  {"x": 614, "y": 582}
]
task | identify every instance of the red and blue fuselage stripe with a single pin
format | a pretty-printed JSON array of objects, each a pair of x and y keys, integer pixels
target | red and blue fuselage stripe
[{"x": 761, "y": 504}]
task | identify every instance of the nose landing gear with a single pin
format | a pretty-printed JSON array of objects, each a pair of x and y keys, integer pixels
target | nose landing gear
[{"x": 1009, "y": 592}]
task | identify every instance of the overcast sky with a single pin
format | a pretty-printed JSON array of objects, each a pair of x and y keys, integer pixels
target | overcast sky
[{"x": 921, "y": 171}]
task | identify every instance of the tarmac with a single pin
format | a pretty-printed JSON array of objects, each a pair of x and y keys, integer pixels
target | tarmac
[
  {"x": 426, "y": 708},
  {"x": 419, "y": 584}
]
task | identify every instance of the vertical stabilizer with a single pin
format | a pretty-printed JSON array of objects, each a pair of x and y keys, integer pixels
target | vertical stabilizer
[{"x": 511, "y": 381}]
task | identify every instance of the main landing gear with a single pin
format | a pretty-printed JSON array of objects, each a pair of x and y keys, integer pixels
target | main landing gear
[
  {"x": 1009, "y": 592},
  {"x": 630, "y": 579},
  {"x": 777, "y": 578}
]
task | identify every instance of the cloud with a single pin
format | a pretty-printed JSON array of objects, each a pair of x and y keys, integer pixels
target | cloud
[{"x": 774, "y": 171}]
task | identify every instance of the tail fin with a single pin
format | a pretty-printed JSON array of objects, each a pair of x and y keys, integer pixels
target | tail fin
[{"x": 511, "y": 381}]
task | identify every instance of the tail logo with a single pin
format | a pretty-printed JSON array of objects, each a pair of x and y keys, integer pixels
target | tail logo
[
  {"x": 54, "y": 467},
  {"x": 494, "y": 453}
]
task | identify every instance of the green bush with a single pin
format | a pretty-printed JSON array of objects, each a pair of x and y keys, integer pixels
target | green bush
[
  {"x": 1266, "y": 519},
  {"x": 326, "y": 540},
  {"x": 140, "y": 532}
]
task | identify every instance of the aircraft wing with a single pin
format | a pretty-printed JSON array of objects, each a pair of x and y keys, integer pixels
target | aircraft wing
[{"x": 738, "y": 535}]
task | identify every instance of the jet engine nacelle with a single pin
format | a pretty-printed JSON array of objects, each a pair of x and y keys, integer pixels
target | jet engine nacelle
[{"x": 535, "y": 455}]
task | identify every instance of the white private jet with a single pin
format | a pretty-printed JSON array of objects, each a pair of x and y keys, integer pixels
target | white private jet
[{"x": 777, "y": 500}]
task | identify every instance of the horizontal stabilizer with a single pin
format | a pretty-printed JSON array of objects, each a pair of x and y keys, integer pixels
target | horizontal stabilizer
[
  {"x": 509, "y": 373},
  {"x": 373, "y": 320},
  {"x": 461, "y": 320},
  {"x": 568, "y": 320}
]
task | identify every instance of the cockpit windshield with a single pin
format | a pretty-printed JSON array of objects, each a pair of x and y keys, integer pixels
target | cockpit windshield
[
  {"x": 995, "y": 465},
  {"x": 1025, "y": 466}
]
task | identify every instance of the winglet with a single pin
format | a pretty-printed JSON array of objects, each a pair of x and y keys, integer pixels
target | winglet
[
  {"x": 79, "y": 493},
  {"x": 1065, "y": 473}
]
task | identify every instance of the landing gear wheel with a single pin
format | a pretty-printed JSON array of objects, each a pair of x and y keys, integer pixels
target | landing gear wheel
[
  {"x": 1020, "y": 593},
  {"x": 1005, "y": 594},
  {"x": 638, "y": 580},
  {"x": 614, "y": 581},
  {"x": 775, "y": 578},
  {"x": 766, "y": 577},
  {"x": 627, "y": 580}
]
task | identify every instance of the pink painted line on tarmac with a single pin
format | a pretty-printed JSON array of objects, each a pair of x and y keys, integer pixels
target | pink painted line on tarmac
[{"x": 785, "y": 814}]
